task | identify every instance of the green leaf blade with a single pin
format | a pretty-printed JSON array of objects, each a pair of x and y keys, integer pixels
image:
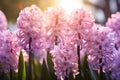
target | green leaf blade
[{"x": 21, "y": 68}]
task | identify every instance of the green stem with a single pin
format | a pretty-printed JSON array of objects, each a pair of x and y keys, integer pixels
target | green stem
[
  {"x": 11, "y": 74},
  {"x": 66, "y": 78},
  {"x": 55, "y": 40},
  {"x": 101, "y": 69},
  {"x": 34, "y": 67},
  {"x": 78, "y": 53},
  {"x": 30, "y": 60},
  {"x": 79, "y": 77},
  {"x": 79, "y": 67},
  {"x": 100, "y": 61}
]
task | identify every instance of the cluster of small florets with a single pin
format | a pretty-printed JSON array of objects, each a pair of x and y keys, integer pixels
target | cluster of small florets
[
  {"x": 9, "y": 48},
  {"x": 65, "y": 60},
  {"x": 3, "y": 21},
  {"x": 9, "y": 51},
  {"x": 114, "y": 24},
  {"x": 100, "y": 45}
]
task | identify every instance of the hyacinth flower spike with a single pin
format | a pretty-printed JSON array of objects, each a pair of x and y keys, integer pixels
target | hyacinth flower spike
[{"x": 3, "y": 21}]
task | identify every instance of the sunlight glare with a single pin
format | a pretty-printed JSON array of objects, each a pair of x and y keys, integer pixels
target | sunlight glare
[{"x": 70, "y": 5}]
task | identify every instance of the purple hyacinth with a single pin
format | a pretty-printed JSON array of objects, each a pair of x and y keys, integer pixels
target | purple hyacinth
[
  {"x": 9, "y": 51},
  {"x": 99, "y": 44},
  {"x": 3, "y": 21},
  {"x": 114, "y": 24},
  {"x": 115, "y": 71},
  {"x": 65, "y": 60}
]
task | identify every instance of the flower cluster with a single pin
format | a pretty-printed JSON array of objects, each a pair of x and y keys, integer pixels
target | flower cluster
[
  {"x": 80, "y": 21},
  {"x": 3, "y": 21},
  {"x": 8, "y": 47},
  {"x": 54, "y": 19},
  {"x": 30, "y": 31},
  {"x": 65, "y": 60},
  {"x": 99, "y": 45},
  {"x": 115, "y": 71},
  {"x": 9, "y": 51},
  {"x": 114, "y": 24}
]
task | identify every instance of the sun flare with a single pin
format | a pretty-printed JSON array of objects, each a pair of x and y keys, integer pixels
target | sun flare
[{"x": 70, "y": 5}]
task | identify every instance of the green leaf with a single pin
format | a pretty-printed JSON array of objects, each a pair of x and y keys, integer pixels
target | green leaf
[
  {"x": 30, "y": 66},
  {"x": 88, "y": 73},
  {"x": 21, "y": 68},
  {"x": 71, "y": 76},
  {"x": 4, "y": 76},
  {"x": 44, "y": 72},
  {"x": 0, "y": 66},
  {"x": 93, "y": 74},
  {"x": 51, "y": 67},
  {"x": 107, "y": 75},
  {"x": 37, "y": 69},
  {"x": 104, "y": 76},
  {"x": 80, "y": 76},
  {"x": 85, "y": 68},
  {"x": 13, "y": 75}
]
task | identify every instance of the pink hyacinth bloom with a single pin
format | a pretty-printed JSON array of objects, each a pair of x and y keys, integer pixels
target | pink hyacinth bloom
[
  {"x": 31, "y": 33},
  {"x": 30, "y": 20},
  {"x": 54, "y": 24},
  {"x": 100, "y": 45},
  {"x": 65, "y": 60},
  {"x": 30, "y": 25},
  {"x": 80, "y": 21},
  {"x": 9, "y": 51},
  {"x": 3, "y": 21}
]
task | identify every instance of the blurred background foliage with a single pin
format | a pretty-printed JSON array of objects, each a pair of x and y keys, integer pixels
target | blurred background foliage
[
  {"x": 11, "y": 8},
  {"x": 102, "y": 9}
]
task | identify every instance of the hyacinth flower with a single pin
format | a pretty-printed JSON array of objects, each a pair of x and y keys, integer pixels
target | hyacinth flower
[
  {"x": 80, "y": 21},
  {"x": 100, "y": 48},
  {"x": 54, "y": 20},
  {"x": 29, "y": 24},
  {"x": 30, "y": 31},
  {"x": 114, "y": 24},
  {"x": 9, "y": 51},
  {"x": 31, "y": 34},
  {"x": 115, "y": 70},
  {"x": 65, "y": 60},
  {"x": 3, "y": 21}
]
